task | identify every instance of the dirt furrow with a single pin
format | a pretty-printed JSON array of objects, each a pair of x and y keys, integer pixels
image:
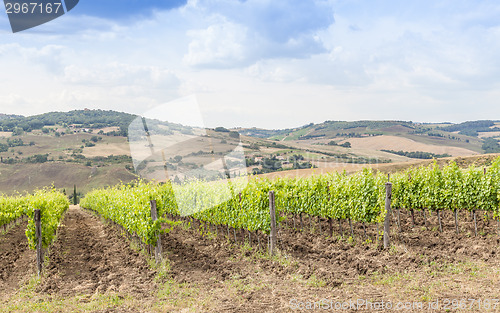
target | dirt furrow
[
  {"x": 16, "y": 259},
  {"x": 91, "y": 257}
]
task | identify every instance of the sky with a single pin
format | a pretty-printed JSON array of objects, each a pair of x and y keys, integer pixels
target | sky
[{"x": 263, "y": 63}]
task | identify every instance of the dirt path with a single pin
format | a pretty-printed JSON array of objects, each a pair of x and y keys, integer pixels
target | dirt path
[
  {"x": 16, "y": 259},
  {"x": 91, "y": 257}
]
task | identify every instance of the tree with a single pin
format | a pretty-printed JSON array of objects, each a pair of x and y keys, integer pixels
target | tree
[
  {"x": 38, "y": 158},
  {"x": 177, "y": 158},
  {"x": 177, "y": 180},
  {"x": 75, "y": 201},
  {"x": 234, "y": 134},
  {"x": 490, "y": 145},
  {"x": 18, "y": 131},
  {"x": 222, "y": 130},
  {"x": 271, "y": 164}
]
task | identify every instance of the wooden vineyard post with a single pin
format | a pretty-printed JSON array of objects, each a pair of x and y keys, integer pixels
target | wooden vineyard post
[
  {"x": 439, "y": 219},
  {"x": 411, "y": 210},
  {"x": 272, "y": 211},
  {"x": 399, "y": 220},
  {"x": 38, "y": 236},
  {"x": 387, "y": 221},
  {"x": 330, "y": 224},
  {"x": 258, "y": 238},
  {"x": 475, "y": 222},
  {"x": 456, "y": 220},
  {"x": 154, "y": 217}
]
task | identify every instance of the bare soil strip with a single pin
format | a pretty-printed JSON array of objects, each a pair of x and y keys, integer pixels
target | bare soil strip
[
  {"x": 91, "y": 257},
  {"x": 422, "y": 265},
  {"x": 16, "y": 259}
]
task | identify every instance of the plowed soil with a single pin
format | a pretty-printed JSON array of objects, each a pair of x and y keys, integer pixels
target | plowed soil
[
  {"x": 317, "y": 266},
  {"x": 16, "y": 259},
  {"x": 214, "y": 274},
  {"x": 91, "y": 257}
]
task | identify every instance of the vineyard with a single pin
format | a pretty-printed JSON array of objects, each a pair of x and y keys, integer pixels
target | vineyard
[
  {"x": 52, "y": 205},
  {"x": 328, "y": 244},
  {"x": 358, "y": 198}
]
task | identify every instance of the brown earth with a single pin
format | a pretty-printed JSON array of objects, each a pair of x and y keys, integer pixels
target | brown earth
[
  {"x": 107, "y": 150},
  {"x": 91, "y": 257},
  {"x": 212, "y": 273},
  {"x": 28, "y": 177},
  {"x": 318, "y": 266},
  {"x": 419, "y": 244},
  {"x": 401, "y": 143},
  {"x": 16, "y": 259}
]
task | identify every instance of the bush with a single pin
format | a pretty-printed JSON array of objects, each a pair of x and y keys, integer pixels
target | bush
[
  {"x": 234, "y": 134},
  {"x": 490, "y": 145},
  {"x": 38, "y": 158},
  {"x": 222, "y": 130}
]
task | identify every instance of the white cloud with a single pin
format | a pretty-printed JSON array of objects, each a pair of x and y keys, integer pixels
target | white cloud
[
  {"x": 266, "y": 63},
  {"x": 220, "y": 44},
  {"x": 118, "y": 74},
  {"x": 239, "y": 33}
]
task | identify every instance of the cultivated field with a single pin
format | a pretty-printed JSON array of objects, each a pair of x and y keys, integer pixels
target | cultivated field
[
  {"x": 405, "y": 144},
  {"x": 93, "y": 267}
]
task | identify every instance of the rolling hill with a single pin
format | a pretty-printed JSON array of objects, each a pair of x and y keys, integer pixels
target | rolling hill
[{"x": 92, "y": 148}]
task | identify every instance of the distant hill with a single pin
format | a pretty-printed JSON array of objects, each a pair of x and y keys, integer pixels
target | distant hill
[
  {"x": 472, "y": 127},
  {"x": 91, "y": 148},
  {"x": 84, "y": 118},
  {"x": 475, "y": 136},
  {"x": 9, "y": 116}
]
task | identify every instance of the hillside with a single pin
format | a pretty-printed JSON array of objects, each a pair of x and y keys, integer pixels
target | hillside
[
  {"x": 91, "y": 148},
  {"x": 476, "y": 160},
  {"x": 375, "y": 136}
]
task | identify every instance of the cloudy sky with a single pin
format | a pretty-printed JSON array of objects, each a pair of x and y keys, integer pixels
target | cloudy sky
[{"x": 264, "y": 63}]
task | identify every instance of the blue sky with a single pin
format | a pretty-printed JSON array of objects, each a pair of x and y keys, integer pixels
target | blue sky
[
  {"x": 125, "y": 9},
  {"x": 264, "y": 63}
]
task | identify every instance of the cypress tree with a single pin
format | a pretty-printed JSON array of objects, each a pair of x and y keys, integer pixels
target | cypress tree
[{"x": 74, "y": 196}]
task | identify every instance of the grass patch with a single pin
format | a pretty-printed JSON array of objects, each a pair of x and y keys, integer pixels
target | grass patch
[{"x": 315, "y": 282}]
